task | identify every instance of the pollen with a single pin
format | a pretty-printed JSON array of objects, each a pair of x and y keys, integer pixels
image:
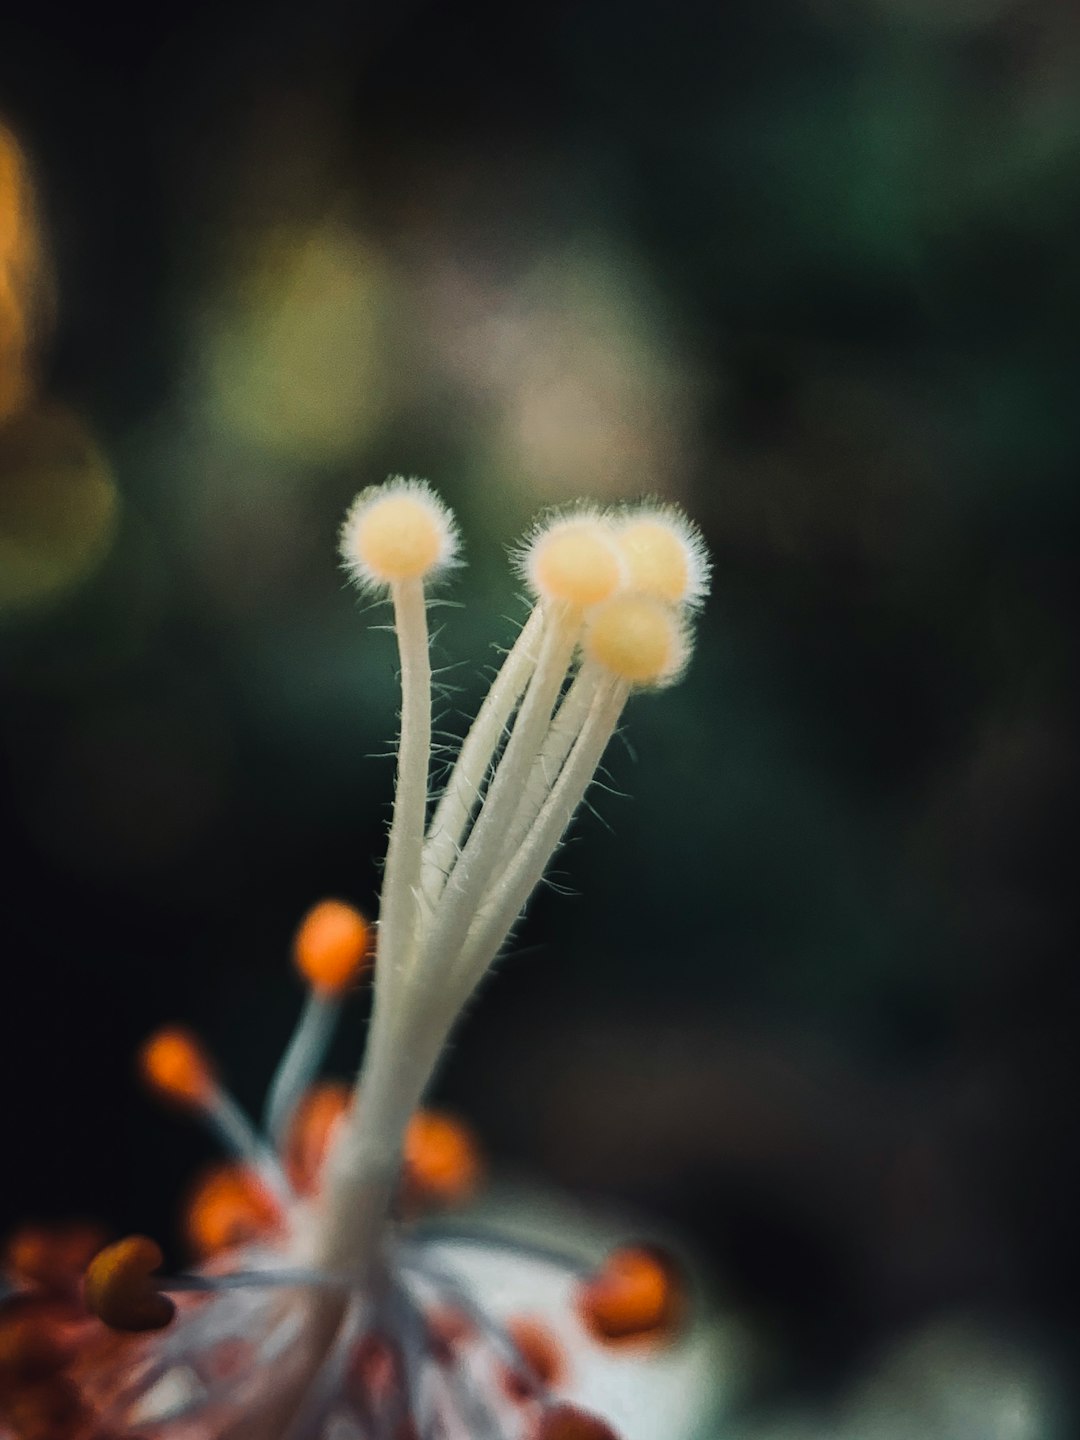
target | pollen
[
  {"x": 172, "y": 1063},
  {"x": 333, "y": 946},
  {"x": 664, "y": 556},
  {"x": 575, "y": 561},
  {"x": 120, "y": 1290},
  {"x": 637, "y": 639},
  {"x": 396, "y": 532},
  {"x": 636, "y": 1293}
]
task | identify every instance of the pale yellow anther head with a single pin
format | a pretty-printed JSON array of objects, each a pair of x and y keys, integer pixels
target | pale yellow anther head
[
  {"x": 664, "y": 556},
  {"x": 396, "y": 532},
  {"x": 637, "y": 639},
  {"x": 575, "y": 561}
]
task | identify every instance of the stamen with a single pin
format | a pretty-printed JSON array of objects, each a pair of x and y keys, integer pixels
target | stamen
[
  {"x": 636, "y": 1293},
  {"x": 173, "y": 1063},
  {"x": 332, "y": 948},
  {"x": 120, "y": 1289},
  {"x": 442, "y": 1161}
]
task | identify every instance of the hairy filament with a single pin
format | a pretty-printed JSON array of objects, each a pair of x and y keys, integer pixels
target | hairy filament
[
  {"x": 399, "y": 912},
  {"x": 462, "y": 794},
  {"x": 562, "y": 733},
  {"x": 526, "y": 869},
  {"x": 485, "y": 848}
]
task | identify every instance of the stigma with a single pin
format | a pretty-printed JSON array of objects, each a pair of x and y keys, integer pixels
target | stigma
[{"x": 330, "y": 1298}]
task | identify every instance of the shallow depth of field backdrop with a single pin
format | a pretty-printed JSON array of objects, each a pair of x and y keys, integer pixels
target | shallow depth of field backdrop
[{"x": 808, "y": 267}]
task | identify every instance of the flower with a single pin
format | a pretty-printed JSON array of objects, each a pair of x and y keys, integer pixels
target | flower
[{"x": 327, "y": 1304}]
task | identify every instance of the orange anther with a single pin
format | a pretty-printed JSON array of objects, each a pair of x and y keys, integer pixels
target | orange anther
[
  {"x": 566, "y": 1422},
  {"x": 332, "y": 946},
  {"x": 229, "y": 1206},
  {"x": 310, "y": 1132},
  {"x": 442, "y": 1160},
  {"x": 635, "y": 1293},
  {"x": 539, "y": 1349},
  {"x": 51, "y": 1258},
  {"x": 119, "y": 1286},
  {"x": 173, "y": 1063}
]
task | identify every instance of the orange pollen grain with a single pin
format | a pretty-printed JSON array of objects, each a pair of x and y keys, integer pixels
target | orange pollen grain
[
  {"x": 119, "y": 1287},
  {"x": 173, "y": 1063},
  {"x": 311, "y": 1131},
  {"x": 228, "y": 1207},
  {"x": 636, "y": 1293},
  {"x": 333, "y": 946},
  {"x": 442, "y": 1160}
]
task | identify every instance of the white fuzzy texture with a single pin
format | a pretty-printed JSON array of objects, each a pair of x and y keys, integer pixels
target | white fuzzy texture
[
  {"x": 436, "y": 532},
  {"x": 686, "y": 538}
]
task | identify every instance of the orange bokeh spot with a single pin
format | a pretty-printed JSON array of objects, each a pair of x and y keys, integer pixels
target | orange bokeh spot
[
  {"x": 51, "y": 1258},
  {"x": 635, "y": 1294},
  {"x": 310, "y": 1131},
  {"x": 566, "y": 1422},
  {"x": 442, "y": 1161},
  {"x": 333, "y": 946},
  {"x": 173, "y": 1063},
  {"x": 229, "y": 1206},
  {"x": 119, "y": 1286}
]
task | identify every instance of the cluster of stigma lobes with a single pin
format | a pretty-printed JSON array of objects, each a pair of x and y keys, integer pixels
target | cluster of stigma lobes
[{"x": 331, "y": 1294}]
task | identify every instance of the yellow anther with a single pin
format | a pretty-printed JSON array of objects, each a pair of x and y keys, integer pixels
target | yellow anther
[
  {"x": 637, "y": 639},
  {"x": 575, "y": 561},
  {"x": 119, "y": 1286},
  {"x": 395, "y": 532}
]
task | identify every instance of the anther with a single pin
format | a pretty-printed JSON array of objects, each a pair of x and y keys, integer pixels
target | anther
[
  {"x": 575, "y": 561},
  {"x": 120, "y": 1290},
  {"x": 442, "y": 1161},
  {"x": 173, "y": 1063},
  {"x": 635, "y": 1293},
  {"x": 333, "y": 946},
  {"x": 310, "y": 1132},
  {"x": 229, "y": 1207},
  {"x": 637, "y": 639}
]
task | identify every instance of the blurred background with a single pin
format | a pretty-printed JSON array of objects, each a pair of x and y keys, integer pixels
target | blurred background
[{"x": 809, "y": 268}]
